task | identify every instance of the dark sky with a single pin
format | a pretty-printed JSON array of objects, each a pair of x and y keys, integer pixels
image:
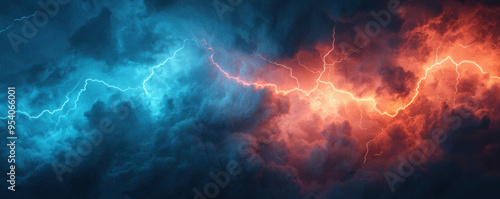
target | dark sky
[{"x": 143, "y": 76}]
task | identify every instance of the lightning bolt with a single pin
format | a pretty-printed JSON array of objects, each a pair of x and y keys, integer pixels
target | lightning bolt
[
  {"x": 370, "y": 100},
  {"x": 56, "y": 110},
  {"x": 494, "y": 45},
  {"x": 456, "y": 85},
  {"x": 360, "y": 117},
  {"x": 82, "y": 90},
  {"x": 307, "y": 68},
  {"x": 18, "y": 19},
  {"x": 326, "y": 65},
  {"x": 51, "y": 112},
  {"x": 159, "y": 65},
  {"x": 368, "y": 149},
  {"x": 288, "y": 68},
  {"x": 467, "y": 46}
]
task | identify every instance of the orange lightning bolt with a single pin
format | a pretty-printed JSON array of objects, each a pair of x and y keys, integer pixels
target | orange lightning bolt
[{"x": 318, "y": 81}]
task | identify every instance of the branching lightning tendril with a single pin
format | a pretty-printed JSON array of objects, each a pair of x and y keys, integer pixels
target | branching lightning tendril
[{"x": 18, "y": 19}]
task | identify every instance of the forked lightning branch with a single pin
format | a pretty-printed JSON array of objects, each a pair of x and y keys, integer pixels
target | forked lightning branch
[{"x": 11, "y": 138}]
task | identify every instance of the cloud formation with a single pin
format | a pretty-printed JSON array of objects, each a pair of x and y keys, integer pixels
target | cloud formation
[{"x": 196, "y": 118}]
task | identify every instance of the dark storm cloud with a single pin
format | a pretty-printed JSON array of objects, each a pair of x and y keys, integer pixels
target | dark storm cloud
[
  {"x": 396, "y": 80},
  {"x": 167, "y": 155},
  {"x": 158, "y": 5},
  {"x": 469, "y": 167},
  {"x": 336, "y": 160},
  {"x": 96, "y": 38},
  {"x": 294, "y": 25}
]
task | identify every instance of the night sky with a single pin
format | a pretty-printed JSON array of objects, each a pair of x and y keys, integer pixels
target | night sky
[{"x": 252, "y": 98}]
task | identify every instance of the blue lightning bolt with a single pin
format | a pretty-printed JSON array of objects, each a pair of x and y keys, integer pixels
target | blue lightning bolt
[
  {"x": 56, "y": 110},
  {"x": 18, "y": 19},
  {"x": 159, "y": 65},
  {"x": 68, "y": 99},
  {"x": 82, "y": 90},
  {"x": 46, "y": 110}
]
